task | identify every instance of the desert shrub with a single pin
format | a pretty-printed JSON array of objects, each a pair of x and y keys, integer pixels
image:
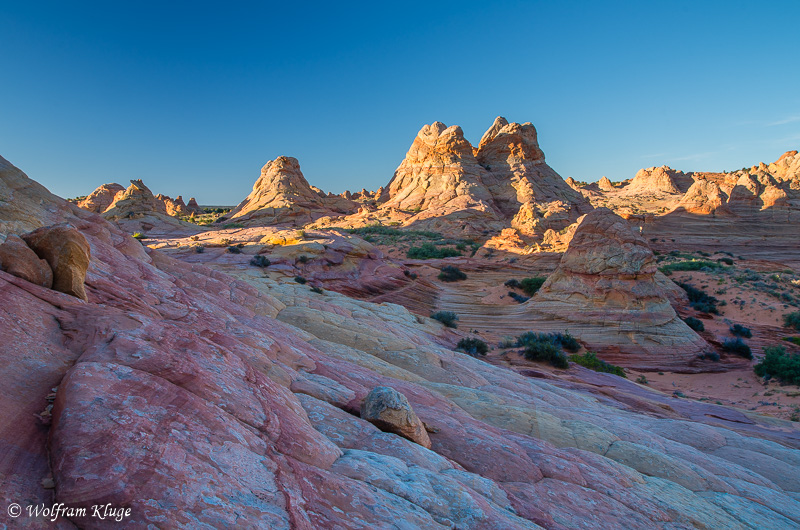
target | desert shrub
[
  {"x": 699, "y": 299},
  {"x": 260, "y": 261},
  {"x": 199, "y": 249},
  {"x": 567, "y": 341},
  {"x": 543, "y": 347},
  {"x": 692, "y": 265},
  {"x": 507, "y": 342},
  {"x": 792, "y": 320},
  {"x": 780, "y": 364},
  {"x": 592, "y": 362},
  {"x": 531, "y": 285},
  {"x": 317, "y": 290},
  {"x": 449, "y": 273},
  {"x": 737, "y": 347},
  {"x": 139, "y": 236},
  {"x": 709, "y": 356},
  {"x": 473, "y": 346},
  {"x": 448, "y": 318},
  {"x": 300, "y": 280},
  {"x": 409, "y": 274},
  {"x": 642, "y": 380},
  {"x": 518, "y": 297},
  {"x": 303, "y": 259},
  {"x": 695, "y": 323},
  {"x": 431, "y": 251},
  {"x": 513, "y": 284},
  {"x": 726, "y": 261},
  {"x": 793, "y": 340},
  {"x": 741, "y": 331},
  {"x": 235, "y": 249}
]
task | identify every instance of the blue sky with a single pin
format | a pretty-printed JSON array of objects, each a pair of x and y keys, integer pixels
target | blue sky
[{"x": 195, "y": 97}]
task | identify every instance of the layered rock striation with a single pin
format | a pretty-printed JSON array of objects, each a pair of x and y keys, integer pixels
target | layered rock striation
[{"x": 607, "y": 291}]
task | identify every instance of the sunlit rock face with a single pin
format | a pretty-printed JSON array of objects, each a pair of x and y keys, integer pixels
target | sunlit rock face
[
  {"x": 607, "y": 290},
  {"x": 283, "y": 195}
]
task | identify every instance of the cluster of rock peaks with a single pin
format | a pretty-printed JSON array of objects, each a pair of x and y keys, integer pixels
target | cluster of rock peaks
[{"x": 115, "y": 201}]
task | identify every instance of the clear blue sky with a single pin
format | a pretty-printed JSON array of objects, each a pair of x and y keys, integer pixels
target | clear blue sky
[{"x": 195, "y": 98}]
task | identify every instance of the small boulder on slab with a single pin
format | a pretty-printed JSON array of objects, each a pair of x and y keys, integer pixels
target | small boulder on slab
[
  {"x": 390, "y": 411},
  {"x": 18, "y": 259}
]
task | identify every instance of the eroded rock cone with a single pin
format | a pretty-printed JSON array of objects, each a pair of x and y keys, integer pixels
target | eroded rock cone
[
  {"x": 607, "y": 291},
  {"x": 102, "y": 198},
  {"x": 67, "y": 252},
  {"x": 18, "y": 259},
  {"x": 390, "y": 411}
]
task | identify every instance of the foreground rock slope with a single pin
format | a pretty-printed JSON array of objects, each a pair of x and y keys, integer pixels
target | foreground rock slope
[{"x": 199, "y": 398}]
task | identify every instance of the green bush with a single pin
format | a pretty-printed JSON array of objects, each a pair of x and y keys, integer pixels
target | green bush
[
  {"x": 741, "y": 331},
  {"x": 139, "y": 236},
  {"x": 693, "y": 265},
  {"x": 235, "y": 249},
  {"x": 592, "y": 362},
  {"x": 518, "y": 297},
  {"x": 792, "y": 320},
  {"x": 260, "y": 261},
  {"x": 303, "y": 259},
  {"x": 726, "y": 261},
  {"x": 709, "y": 356},
  {"x": 780, "y": 364},
  {"x": 431, "y": 251},
  {"x": 448, "y": 318},
  {"x": 199, "y": 249},
  {"x": 317, "y": 290},
  {"x": 793, "y": 340},
  {"x": 473, "y": 346},
  {"x": 449, "y": 273},
  {"x": 737, "y": 347},
  {"x": 300, "y": 280},
  {"x": 543, "y": 347},
  {"x": 513, "y": 283},
  {"x": 531, "y": 285},
  {"x": 567, "y": 341},
  {"x": 695, "y": 323},
  {"x": 699, "y": 299}
]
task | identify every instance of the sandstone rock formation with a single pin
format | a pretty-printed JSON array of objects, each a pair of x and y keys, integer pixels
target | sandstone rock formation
[
  {"x": 102, "y": 198},
  {"x": 606, "y": 292},
  {"x": 524, "y": 188},
  {"x": 68, "y": 254},
  {"x": 658, "y": 180},
  {"x": 138, "y": 210},
  {"x": 605, "y": 184},
  {"x": 175, "y": 207},
  {"x": 441, "y": 182},
  {"x": 704, "y": 197},
  {"x": 445, "y": 183},
  {"x": 388, "y": 410},
  {"x": 283, "y": 195},
  {"x": 198, "y": 399},
  {"x": 18, "y": 259},
  {"x": 192, "y": 207}
]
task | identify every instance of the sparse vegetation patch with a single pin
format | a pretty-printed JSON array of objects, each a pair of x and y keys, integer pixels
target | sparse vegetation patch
[
  {"x": 737, "y": 347},
  {"x": 780, "y": 364},
  {"x": 591, "y": 361},
  {"x": 448, "y": 318},
  {"x": 450, "y": 273},
  {"x": 473, "y": 346}
]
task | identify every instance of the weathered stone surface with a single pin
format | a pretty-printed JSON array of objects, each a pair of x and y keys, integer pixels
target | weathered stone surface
[
  {"x": 389, "y": 410},
  {"x": 18, "y": 259},
  {"x": 175, "y": 396},
  {"x": 67, "y": 252},
  {"x": 605, "y": 292},
  {"x": 102, "y": 198},
  {"x": 283, "y": 195},
  {"x": 658, "y": 180}
]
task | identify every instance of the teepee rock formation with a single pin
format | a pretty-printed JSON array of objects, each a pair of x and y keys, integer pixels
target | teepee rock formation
[
  {"x": 283, "y": 195},
  {"x": 102, "y": 198},
  {"x": 607, "y": 291},
  {"x": 441, "y": 180},
  {"x": 524, "y": 188},
  {"x": 658, "y": 180}
]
